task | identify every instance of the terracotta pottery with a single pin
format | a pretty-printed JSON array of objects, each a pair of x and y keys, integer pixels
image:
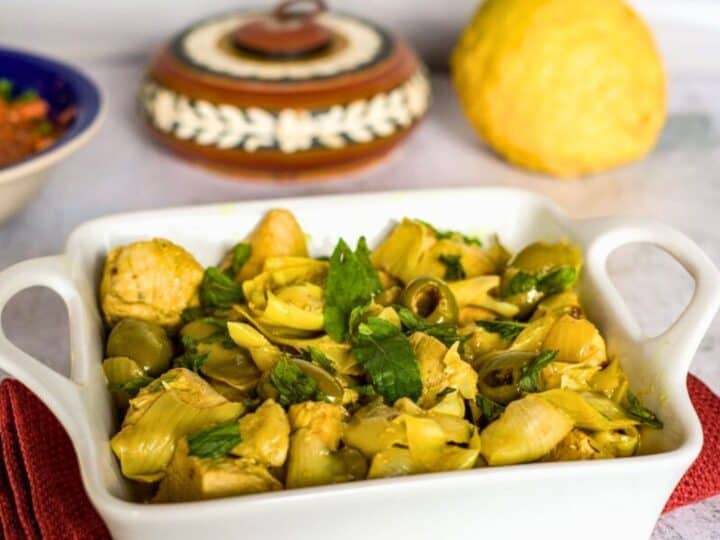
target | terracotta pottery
[{"x": 300, "y": 91}]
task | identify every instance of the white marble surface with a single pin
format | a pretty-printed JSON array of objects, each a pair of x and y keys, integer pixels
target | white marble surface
[{"x": 679, "y": 183}]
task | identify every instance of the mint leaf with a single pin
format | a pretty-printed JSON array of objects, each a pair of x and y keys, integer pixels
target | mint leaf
[
  {"x": 637, "y": 411},
  {"x": 318, "y": 357},
  {"x": 218, "y": 290},
  {"x": 519, "y": 283},
  {"x": 351, "y": 282},
  {"x": 131, "y": 387},
  {"x": 529, "y": 380},
  {"x": 191, "y": 359},
  {"x": 387, "y": 356},
  {"x": 489, "y": 409},
  {"x": 240, "y": 255},
  {"x": 508, "y": 330},
  {"x": 557, "y": 280},
  {"x": 453, "y": 267},
  {"x": 215, "y": 441},
  {"x": 293, "y": 385},
  {"x": 447, "y": 333}
]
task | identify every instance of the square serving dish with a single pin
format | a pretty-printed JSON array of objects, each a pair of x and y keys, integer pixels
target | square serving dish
[{"x": 618, "y": 498}]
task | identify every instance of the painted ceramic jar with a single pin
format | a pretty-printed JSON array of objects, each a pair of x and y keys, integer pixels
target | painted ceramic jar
[{"x": 299, "y": 91}]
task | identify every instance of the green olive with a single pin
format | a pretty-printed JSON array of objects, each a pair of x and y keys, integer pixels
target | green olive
[
  {"x": 498, "y": 376},
  {"x": 541, "y": 257},
  {"x": 431, "y": 299},
  {"x": 125, "y": 378},
  {"x": 145, "y": 343},
  {"x": 199, "y": 330}
]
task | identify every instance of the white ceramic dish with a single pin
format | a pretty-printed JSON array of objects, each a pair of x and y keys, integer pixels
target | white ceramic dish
[{"x": 618, "y": 499}]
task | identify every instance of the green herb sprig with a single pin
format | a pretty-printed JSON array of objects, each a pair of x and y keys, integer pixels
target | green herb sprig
[
  {"x": 216, "y": 441},
  {"x": 351, "y": 282},
  {"x": 529, "y": 380}
]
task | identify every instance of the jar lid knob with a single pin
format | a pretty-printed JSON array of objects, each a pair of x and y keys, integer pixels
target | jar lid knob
[{"x": 290, "y": 32}]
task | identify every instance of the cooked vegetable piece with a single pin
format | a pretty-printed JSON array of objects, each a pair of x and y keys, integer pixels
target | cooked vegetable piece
[
  {"x": 588, "y": 410},
  {"x": 192, "y": 478},
  {"x": 264, "y": 435},
  {"x": 528, "y": 429},
  {"x": 277, "y": 235},
  {"x": 441, "y": 368},
  {"x": 352, "y": 281},
  {"x": 477, "y": 291},
  {"x": 152, "y": 281},
  {"x": 175, "y": 405},
  {"x": 374, "y": 428},
  {"x": 144, "y": 342},
  {"x": 430, "y": 300},
  {"x": 576, "y": 341},
  {"x": 452, "y": 235},
  {"x": 124, "y": 377}
]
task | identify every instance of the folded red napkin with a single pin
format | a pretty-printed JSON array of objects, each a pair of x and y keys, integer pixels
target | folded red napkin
[{"x": 41, "y": 495}]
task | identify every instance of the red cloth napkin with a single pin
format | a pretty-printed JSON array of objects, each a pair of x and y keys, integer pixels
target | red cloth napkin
[{"x": 41, "y": 495}]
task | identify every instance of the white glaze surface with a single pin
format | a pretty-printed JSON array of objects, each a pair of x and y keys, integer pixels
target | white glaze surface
[{"x": 677, "y": 184}]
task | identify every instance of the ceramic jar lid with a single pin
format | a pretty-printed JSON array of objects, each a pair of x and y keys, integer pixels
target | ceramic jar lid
[{"x": 294, "y": 92}]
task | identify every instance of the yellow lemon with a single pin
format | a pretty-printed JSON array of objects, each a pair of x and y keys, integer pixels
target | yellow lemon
[{"x": 565, "y": 87}]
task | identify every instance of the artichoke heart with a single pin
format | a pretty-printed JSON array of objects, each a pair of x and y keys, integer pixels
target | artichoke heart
[
  {"x": 577, "y": 341},
  {"x": 427, "y": 442},
  {"x": 191, "y": 478},
  {"x": 171, "y": 407},
  {"x": 442, "y": 368},
  {"x": 413, "y": 250},
  {"x": 476, "y": 292},
  {"x": 589, "y": 410},
  {"x": 264, "y": 435},
  {"x": 277, "y": 235},
  {"x": 528, "y": 429},
  {"x": 231, "y": 366},
  {"x": 287, "y": 294},
  {"x": 264, "y": 354},
  {"x": 374, "y": 428}
]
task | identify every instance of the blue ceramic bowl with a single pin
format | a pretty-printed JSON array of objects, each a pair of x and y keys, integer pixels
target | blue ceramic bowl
[{"x": 61, "y": 86}]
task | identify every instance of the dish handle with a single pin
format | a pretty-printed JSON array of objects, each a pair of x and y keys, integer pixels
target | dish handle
[
  {"x": 602, "y": 236},
  {"x": 61, "y": 394}
]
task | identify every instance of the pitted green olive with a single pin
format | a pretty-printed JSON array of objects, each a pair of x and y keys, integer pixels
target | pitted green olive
[
  {"x": 144, "y": 342},
  {"x": 498, "y": 376},
  {"x": 431, "y": 299}
]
